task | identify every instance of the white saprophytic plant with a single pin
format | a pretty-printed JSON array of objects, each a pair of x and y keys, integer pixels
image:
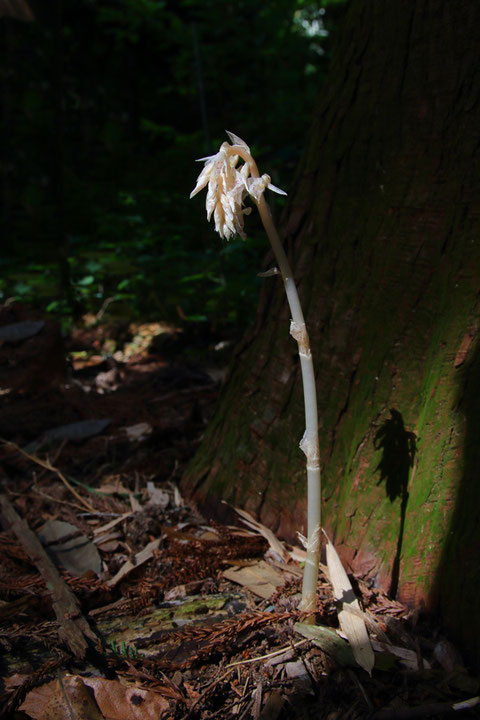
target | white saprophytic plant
[{"x": 228, "y": 186}]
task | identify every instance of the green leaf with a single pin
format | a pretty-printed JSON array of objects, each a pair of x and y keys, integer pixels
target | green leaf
[
  {"x": 21, "y": 288},
  {"x": 196, "y": 318},
  {"x": 85, "y": 281}
]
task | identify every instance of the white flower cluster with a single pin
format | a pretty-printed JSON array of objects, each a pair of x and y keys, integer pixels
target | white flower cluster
[{"x": 228, "y": 186}]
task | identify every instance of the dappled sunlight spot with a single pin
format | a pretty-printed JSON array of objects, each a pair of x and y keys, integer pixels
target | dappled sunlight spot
[{"x": 143, "y": 335}]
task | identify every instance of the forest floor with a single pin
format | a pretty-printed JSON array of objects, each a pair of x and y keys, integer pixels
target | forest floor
[{"x": 143, "y": 608}]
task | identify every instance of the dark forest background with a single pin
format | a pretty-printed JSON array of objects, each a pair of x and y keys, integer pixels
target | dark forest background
[{"x": 105, "y": 106}]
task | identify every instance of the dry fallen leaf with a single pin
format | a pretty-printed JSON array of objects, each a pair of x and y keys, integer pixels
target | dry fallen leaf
[
  {"x": 276, "y": 545},
  {"x": 261, "y": 578},
  {"x": 62, "y": 701},
  {"x": 140, "y": 558},
  {"x": 408, "y": 658},
  {"x": 177, "y": 498},
  {"x": 134, "y": 503},
  {"x": 70, "y": 548},
  {"x": 38, "y": 698},
  {"x": 352, "y": 624},
  {"x": 273, "y": 706},
  {"x": 138, "y": 432},
  {"x": 156, "y": 496},
  {"x": 126, "y": 702},
  {"x": 111, "y": 700}
]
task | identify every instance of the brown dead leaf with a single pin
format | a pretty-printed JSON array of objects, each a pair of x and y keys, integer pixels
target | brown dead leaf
[
  {"x": 261, "y": 578},
  {"x": 192, "y": 693},
  {"x": 93, "y": 699},
  {"x": 38, "y": 698},
  {"x": 126, "y": 702},
  {"x": 276, "y": 545},
  {"x": 273, "y": 706},
  {"x": 113, "y": 488},
  {"x": 55, "y": 701},
  {"x": 408, "y": 658},
  {"x": 14, "y": 681}
]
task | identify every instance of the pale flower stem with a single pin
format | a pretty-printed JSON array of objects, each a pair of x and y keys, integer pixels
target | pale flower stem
[{"x": 309, "y": 443}]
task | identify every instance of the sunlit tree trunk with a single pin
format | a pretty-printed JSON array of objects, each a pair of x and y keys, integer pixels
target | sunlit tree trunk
[{"x": 382, "y": 229}]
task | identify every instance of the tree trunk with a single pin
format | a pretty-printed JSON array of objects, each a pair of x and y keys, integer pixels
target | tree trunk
[{"x": 382, "y": 231}]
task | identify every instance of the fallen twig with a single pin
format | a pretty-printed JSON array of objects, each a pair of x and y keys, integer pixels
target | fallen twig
[
  {"x": 74, "y": 629},
  {"x": 46, "y": 464},
  {"x": 269, "y": 655},
  {"x": 57, "y": 500}
]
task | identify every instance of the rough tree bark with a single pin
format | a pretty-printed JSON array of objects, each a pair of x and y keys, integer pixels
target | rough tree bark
[{"x": 382, "y": 231}]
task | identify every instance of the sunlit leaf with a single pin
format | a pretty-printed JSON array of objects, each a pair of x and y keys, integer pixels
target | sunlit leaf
[{"x": 87, "y": 280}]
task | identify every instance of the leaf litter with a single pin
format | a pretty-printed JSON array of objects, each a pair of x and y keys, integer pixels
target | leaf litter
[{"x": 184, "y": 619}]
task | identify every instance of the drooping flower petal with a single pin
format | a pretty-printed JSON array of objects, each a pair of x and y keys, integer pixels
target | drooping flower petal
[
  {"x": 275, "y": 189},
  {"x": 235, "y": 140},
  {"x": 211, "y": 198},
  {"x": 256, "y": 187},
  {"x": 202, "y": 179},
  {"x": 209, "y": 157},
  {"x": 219, "y": 218},
  {"x": 244, "y": 173}
]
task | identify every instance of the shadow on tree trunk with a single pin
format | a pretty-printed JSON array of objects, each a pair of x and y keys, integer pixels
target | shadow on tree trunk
[{"x": 398, "y": 453}]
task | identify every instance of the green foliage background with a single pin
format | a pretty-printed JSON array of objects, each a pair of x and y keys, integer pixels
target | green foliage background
[{"x": 105, "y": 107}]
